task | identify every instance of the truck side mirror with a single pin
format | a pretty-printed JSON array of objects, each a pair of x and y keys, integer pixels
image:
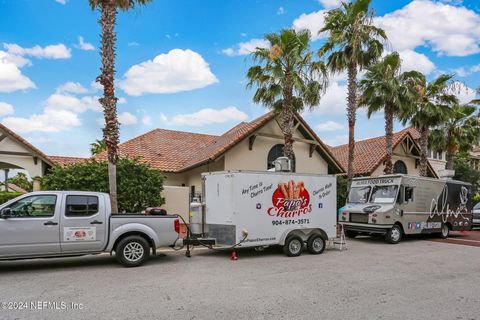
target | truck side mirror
[{"x": 5, "y": 213}]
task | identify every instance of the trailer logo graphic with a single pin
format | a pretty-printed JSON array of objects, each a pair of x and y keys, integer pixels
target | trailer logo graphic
[{"x": 290, "y": 200}]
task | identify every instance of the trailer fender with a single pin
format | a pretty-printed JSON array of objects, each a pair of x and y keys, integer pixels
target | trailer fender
[{"x": 302, "y": 233}]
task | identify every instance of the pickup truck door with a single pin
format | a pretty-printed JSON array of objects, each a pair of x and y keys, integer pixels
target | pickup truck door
[
  {"x": 32, "y": 228},
  {"x": 83, "y": 224}
]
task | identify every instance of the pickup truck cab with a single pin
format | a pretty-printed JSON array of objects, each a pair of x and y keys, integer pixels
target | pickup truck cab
[{"x": 73, "y": 223}]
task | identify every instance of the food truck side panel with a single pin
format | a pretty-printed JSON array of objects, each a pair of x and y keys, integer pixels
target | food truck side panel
[{"x": 265, "y": 210}]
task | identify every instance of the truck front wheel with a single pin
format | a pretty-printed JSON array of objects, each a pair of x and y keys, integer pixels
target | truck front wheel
[
  {"x": 132, "y": 251},
  {"x": 293, "y": 246},
  {"x": 394, "y": 234},
  {"x": 315, "y": 244}
]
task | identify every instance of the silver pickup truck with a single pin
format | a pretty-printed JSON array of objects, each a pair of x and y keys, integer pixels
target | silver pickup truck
[{"x": 70, "y": 223}]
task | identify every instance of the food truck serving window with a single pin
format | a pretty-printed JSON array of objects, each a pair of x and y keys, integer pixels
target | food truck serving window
[
  {"x": 384, "y": 194},
  {"x": 359, "y": 194}
]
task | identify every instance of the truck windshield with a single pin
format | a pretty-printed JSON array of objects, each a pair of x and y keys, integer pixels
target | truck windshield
[
  {"x": 359, "y": 194},
  {"x": 384, "y": 194}
]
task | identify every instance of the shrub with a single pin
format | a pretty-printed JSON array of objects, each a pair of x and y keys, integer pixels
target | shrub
[
  {"x": 5, "y": 196},
  {"x": 138, "y": 185}
]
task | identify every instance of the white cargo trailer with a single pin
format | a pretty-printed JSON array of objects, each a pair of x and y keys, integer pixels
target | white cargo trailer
[{"x": 259, "y": 209}]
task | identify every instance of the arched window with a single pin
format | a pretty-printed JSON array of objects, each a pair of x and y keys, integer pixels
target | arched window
[
  {"x": 400, "y": 167},
  {"x": 275, "y": 152}
]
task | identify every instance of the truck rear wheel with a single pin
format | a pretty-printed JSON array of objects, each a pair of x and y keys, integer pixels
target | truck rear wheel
[
  {"x": 293, "y": 246},
  {"x": 315, "y": 244},
  {"x": 132, "y": 251},
  {"x": 445, "y": 231},
  {"x": 394, "y": 235}
]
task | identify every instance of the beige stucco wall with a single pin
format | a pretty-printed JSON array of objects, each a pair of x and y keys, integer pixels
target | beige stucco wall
[
  {"x": 437, "y": 165},
  {"x": 409, "y": 162},
  {"x": 23, "y": 162}
]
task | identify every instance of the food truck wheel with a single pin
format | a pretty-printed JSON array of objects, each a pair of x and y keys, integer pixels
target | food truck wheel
[
  {"x": 315, "y": 244},
  {"x": 445, "y": 231},
  {"x": 394, "y": 235},
  {"x": 132, "y": 251},
  {"x": 293, "y": 246}
]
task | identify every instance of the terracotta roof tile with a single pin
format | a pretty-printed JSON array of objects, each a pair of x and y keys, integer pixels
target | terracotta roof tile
[
  {"x": 64, "y": 161},
  {"x": 371, "y": 152}
]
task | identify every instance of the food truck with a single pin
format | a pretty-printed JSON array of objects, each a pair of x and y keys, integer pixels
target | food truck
[
  {"x": 397, "y": 205},
  {"x": 261, "y": 209}
]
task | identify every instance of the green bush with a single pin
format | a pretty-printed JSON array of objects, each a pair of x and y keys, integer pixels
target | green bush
[
  {"x": 138, "y": 186},
  {"x": 464, "y": 172},
  {"x": 342, "y": 194},
  {"x": 5, "y": 196}
]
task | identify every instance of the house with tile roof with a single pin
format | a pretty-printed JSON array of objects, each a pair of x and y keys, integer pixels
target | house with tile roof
[
  {"x": 253, "y": 145},
  {"x": 370, "y": 155}
]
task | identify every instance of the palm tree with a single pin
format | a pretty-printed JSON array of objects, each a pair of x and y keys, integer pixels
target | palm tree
[
  {"x": 385, "y": 88},
  {"x": 287, "y": 79},
  {"x": 460, "y": 133},
  {"x": 431, "y": 109},
  {"x": 98, "y": 147},
  {"x": 353, "y": 43},
  {"x": 107, "y": 21}
]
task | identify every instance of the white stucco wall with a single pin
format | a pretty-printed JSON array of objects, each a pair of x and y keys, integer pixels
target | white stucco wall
[
  {"x": 20, "y": 161},
  {"x": 408, "y": 160}
]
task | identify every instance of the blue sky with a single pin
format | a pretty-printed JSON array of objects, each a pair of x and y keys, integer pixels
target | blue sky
[{"x": 181, "y": 64}]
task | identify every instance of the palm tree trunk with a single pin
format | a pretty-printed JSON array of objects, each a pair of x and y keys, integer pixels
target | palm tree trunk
[
  {"x": 388, "y": 139},
  {"x": 109, "y": 101},
  {"x": 424, "y": 133},
  {"x": 352, "y": 117},
  {"x": 288, "y": 118},
  {"x": 450, "y": 150}
]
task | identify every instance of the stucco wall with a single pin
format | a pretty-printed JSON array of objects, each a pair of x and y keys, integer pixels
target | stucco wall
[
  {"x": 23, "y": 162},
  {"x": 408, "y": 160}
]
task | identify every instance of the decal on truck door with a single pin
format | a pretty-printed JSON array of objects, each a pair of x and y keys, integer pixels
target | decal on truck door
[
  {"x": 79, "y": 234},
  {"x": 290, "y": 200}
]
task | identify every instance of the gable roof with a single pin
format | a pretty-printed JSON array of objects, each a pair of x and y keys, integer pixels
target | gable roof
[
  {"x": 25, "y": 143},
  {"x": 370, "y": 153},
  {"x": 178, "y": 151},
  {"x": 65, "y": 161}
]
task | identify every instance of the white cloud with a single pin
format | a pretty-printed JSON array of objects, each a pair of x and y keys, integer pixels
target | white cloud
[
  {"x": 464, "y": 93},
  {"x": 206, "y": 116},
  {"x": 178, "y": 70},
  {"x": 330, "y": 4},
  {"x": 54, "y": 51},
  {"x": 133, "y": 44},
  {"x": 334, "y": 102},
  {"x": 95, "y": 86},
  {"x": 466, "y": 71},
  {"x": 329, "y": 126},
  {"x": 147, "y": 120},
  {"x": 244, "y": 48},
  {"x": 61, "y": 1},
  {"x": 71, "y": 87},
  {"x": 5, "y": 109},
  {"x": 312, "y": 22},
  {"x": 82, "y": 45},
  {"x": 49, "y": 121},
  {"x": 412, "y": 60},
  {"x": 11, "y": 78},
  {"x": 280, "y": 11},
  {"x": 447, "y": 29},
  {"x": 126, "y": 118},
  {"x": 69, "y": 102},
  {"x": 337, "y": 140}
]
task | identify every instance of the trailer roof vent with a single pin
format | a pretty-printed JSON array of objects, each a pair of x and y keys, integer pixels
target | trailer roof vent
[{"x": 283, "y": 164}]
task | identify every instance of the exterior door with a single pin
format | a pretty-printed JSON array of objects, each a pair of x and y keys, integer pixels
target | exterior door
[
  {"x": 83, "y": 225},
  {"x": 32, "y": 228}
]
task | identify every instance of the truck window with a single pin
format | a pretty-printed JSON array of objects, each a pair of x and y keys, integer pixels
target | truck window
[
  {"x": 384, "y": 194},
  {"x": 408, "y": 194},
  {"x": 34, "y": 206},
  {"x": 81, "y": 206},
  {"x": 359, "y": 195}
]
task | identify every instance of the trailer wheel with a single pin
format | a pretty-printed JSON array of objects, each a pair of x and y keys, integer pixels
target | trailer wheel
[
  {"x": 445, "y": 231},
  {"x": 132, "y": 251},
  {"x": 394, "y": 235},
  {"x": 315, "y": 244},
  {"x": 293, "y": 246}
]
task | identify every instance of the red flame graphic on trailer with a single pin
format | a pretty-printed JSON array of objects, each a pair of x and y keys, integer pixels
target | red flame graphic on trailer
[{"x": 290, "y": 200}]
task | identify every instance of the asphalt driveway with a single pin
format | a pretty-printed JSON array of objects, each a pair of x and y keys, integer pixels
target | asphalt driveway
[{"x": 416, "y": 279}]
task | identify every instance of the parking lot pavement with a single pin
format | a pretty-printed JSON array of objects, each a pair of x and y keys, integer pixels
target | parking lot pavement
[
  {"x": 415, "y": 279},
  {"x": 466, "y": 238}
]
